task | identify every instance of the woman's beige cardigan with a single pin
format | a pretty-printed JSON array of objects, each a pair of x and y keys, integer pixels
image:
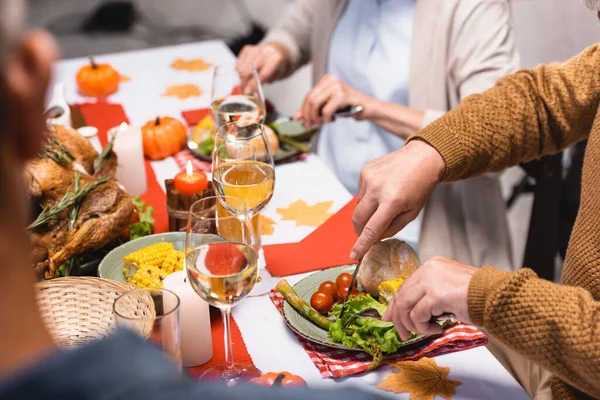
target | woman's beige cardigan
[{"x": 460, "y": 47}]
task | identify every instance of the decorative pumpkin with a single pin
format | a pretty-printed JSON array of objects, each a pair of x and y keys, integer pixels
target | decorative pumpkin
[
  {"x": 163, "y": 137},
  {"x": 97, "y": 80},
  {"x": 275, "y": 379}
]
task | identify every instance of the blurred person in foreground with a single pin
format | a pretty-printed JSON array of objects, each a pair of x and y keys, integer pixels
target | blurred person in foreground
[
  {"x": 31, "y": 366},
  {"x": 406, "y": 62},
  {"x": 541, "y": 331}
]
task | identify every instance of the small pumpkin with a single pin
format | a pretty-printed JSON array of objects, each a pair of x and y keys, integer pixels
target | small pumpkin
[
  {"x": 163, "y": 137},
  {"x": 278, "y": 379},
  {"x": 97, "y": 80}
]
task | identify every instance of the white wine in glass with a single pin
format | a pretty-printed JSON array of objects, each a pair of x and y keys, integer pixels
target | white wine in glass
[
  {"x": 222, "y": 265},
  {"x": 230, "y": 103},
  {"x": 243, "y": 168},
  {"x": 251, "y": 181}
]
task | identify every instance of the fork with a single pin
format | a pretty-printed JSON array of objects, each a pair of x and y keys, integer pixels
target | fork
[{"x": 374, "y": 314}]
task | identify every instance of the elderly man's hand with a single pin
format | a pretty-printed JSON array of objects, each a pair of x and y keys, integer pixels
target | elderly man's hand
[
  {"x": 439, "y": 286},
  {"x": 392, "y": 191}
]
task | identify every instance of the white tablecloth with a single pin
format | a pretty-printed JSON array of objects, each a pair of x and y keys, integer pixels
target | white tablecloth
[{"x": 271, "y": 345}]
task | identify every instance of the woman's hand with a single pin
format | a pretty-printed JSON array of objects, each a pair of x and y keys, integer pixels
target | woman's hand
[
  {"x": 270, "y": 59},
  {"x": 439, "y": 286},
  {"x": 329, "y": 95}
]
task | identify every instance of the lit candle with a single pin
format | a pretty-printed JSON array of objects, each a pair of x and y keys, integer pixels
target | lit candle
[
  {"x": 189, "y": 181},
  {"x": 131, "y": 171},
  {"x": 194, "y": 317}
]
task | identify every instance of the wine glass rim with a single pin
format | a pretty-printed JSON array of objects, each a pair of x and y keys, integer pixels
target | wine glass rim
[
  {"x": 260, "y": 133},
  {"x": 147, "y": 290},
  {"x": 231, "y": 68},
  {"x": 218, "y": 198}
]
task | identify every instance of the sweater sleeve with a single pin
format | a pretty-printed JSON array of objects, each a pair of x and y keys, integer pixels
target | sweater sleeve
[
  {"x": 293, "y": 31},
  {"x": 557, "y": 326},
  {"x": 524, "y": 116}
]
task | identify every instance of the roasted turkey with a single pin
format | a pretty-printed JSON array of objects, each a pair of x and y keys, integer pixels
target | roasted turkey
[{"x": 102, "y": 214}]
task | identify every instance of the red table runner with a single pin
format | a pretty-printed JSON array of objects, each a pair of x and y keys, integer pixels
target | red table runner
[{"x": 107, "y": 115}]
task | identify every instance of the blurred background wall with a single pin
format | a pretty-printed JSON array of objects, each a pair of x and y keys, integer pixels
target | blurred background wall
[{"x": 546, "y": 30}]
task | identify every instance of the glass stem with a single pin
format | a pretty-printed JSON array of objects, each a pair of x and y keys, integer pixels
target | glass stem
[{"x": 229, "y": 372}]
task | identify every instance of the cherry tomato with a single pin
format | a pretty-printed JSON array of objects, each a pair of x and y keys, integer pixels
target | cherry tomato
[
  {"x": 329, "y": 287},
  {"x": 135, "y": 218},
  {"x": 322, "y": 302},
  {"x": 343, "y": 291},
  {"x": 343, "y": 280}
]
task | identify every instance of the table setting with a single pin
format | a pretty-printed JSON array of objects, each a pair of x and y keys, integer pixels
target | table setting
[{"x": 223, "y": 240}]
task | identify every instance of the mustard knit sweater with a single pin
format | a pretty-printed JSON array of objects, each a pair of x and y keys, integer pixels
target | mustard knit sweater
[{"x": 525, "y": 116}]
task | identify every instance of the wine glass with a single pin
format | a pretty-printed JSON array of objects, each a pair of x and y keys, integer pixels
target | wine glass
[
  {"x": 243, "y": 168},
  {"x": 222, "y": 266},
  {"x": 229, "y": 103}
]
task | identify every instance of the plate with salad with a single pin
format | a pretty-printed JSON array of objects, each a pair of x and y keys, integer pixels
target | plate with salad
[{"x": 313, "y": 306}]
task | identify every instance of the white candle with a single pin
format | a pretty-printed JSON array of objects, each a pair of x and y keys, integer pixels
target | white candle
[
  {"x": 194, "y": 317},
  {"x": 131, "y": 171}
]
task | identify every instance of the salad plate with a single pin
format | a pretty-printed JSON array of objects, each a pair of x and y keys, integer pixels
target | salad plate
[{"x": 308, "y": 330}]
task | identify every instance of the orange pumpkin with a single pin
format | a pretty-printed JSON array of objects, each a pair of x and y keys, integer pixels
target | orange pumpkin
[
  {"x": 275, "y": 379},
  {"x": 163, "y": 137},
  {"x": 97, "y": 80}
]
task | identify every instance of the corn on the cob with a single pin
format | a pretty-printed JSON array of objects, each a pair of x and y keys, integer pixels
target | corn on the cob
[
  {"x": 173, "y": 262},
  {"x": 152, "y": 255},
  {"x": 148, "y": 276},
  {"x": 387, "y": 289}
]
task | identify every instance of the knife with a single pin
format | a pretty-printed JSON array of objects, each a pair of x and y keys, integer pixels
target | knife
[{"x": 352, "y": 282}]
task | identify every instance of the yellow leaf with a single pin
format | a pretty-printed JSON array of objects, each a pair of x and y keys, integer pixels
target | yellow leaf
[
  {"x": 266, "y": 225},
  {"x": 183, "y": 91},
  {"x": 306, "y": 215},
  {"x": 194, "y": 65},
  {"x": 422, "y": 379}
]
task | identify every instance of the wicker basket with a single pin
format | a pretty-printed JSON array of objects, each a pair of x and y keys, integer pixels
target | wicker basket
[{"x": 79, "y": 309}]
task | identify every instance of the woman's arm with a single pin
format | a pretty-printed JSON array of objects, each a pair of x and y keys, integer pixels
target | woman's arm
[
  {"x": 331, "y": 94},
  {"x": 293, "y": 32},
  {"x": 482, "y": 51}
]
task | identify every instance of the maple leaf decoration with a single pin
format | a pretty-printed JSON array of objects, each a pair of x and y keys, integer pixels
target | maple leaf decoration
[
  {"x": 306, "y": 215},
  {"x": 183, "y": 91},
  {"x": 266, "y": 225},
  {"x": 194, "y": 65},
  {"x": 422, "y": 379}
]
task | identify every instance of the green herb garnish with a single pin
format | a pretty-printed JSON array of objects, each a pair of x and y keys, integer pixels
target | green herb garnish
[
  {"x": 68, "y": 200},
  {"x": 101, "y": 159}
]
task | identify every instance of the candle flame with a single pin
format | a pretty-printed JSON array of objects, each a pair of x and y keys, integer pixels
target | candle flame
[
  {"x": 123, "y": 128},
  {"x": 188, "y": 168}
]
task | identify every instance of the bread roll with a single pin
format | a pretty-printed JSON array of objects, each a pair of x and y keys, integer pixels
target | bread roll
[
  {"x": 386, "y": 260},
  {"x": 259, "y": 144}
]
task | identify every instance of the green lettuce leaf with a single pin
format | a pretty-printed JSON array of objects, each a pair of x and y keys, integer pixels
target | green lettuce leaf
[
  {"x": 140, "y": 229},
  {"x": 361, "y": 332},
  {"x": 146, "y": 224}
]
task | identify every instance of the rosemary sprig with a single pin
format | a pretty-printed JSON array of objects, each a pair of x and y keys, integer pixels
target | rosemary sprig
[
  {"x": 61, "y": 146},
  {"x": 101, "y": 159},
  {"x": 56, "y": 151},
  {"x": 75, "y": 207},
  {"x": 68, "y": 200}
]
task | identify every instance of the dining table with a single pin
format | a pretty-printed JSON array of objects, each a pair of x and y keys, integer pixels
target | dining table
[{"x": 271, "y": 345}]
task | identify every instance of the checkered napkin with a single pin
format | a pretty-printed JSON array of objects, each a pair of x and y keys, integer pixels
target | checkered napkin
[
  {"x": 182, "y": 157},
  {"x": 336, "y": 363}
]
